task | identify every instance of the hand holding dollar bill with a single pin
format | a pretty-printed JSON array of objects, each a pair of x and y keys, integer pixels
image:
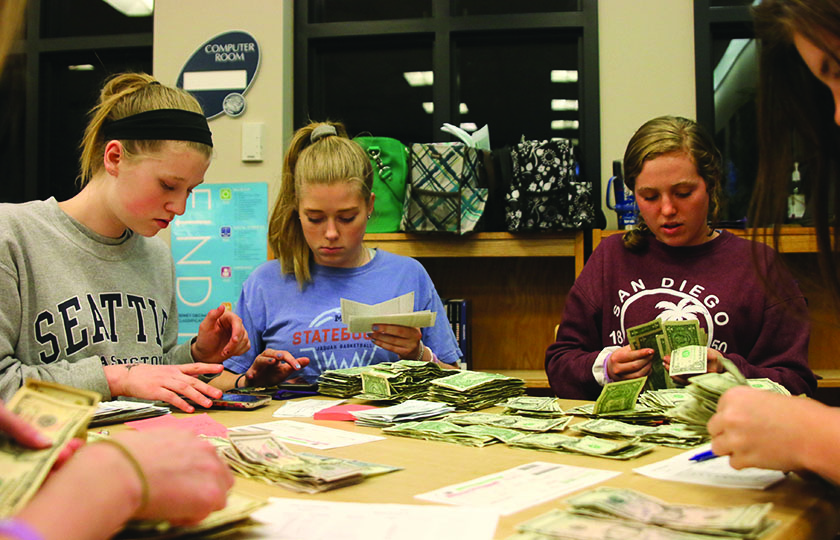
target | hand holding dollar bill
[{"x": 361, "y": 317}]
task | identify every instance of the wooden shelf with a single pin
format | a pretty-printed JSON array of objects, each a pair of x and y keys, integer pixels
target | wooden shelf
[
  {"x": 487, "y": 244},
  {"x": 791, "y": 239}
]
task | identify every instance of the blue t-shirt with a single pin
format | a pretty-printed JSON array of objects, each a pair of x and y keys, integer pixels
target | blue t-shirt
[{"x": 307, "y": 323}]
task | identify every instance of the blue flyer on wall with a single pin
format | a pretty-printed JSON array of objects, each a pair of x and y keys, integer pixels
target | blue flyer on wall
[{"x": 216, "y": 244}]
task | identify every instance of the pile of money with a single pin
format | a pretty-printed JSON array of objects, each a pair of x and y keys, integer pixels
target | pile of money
[
  {"x": 398, "y": 381},
  {"x": 619, "y": 396},
  {"x": 705, "y": 391},
  {"x": 509, "y": 421},
  {"x": 58, "y": 412},
  {"x": 639, "y": 414},
  {"x": 261, "y": 456},
  {"x": 533, "y": 406},
  {"x": 230, "y": 519},
  {"x": 473, "y": 390},
  {"x": 770, "y": 386},
  {"x": 439, "y": 430},
  {"x": 674, "y": 434},
  {"x": 590, "y": 446},
  {"x": 407, "y": 411},
  {"x": 342, "y": 383},
  {"x": 663, "y": 399},
  {"x": 119, "y": 411},
  {"x": 608, "y": 512},
  {"x": 663, "y": 337}
]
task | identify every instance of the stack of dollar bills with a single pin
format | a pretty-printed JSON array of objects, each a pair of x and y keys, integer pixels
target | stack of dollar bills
[
  {"x": 342, "y": 383},
  {"x": 398, "y": 381},
  {"x": 617, "y": 401},
  {"x": 533, "y": 406},
  {"x": 674, "y": 434},
  {"x": 705, "y": 391},
  {"x": 118, "y": 411},
  {"x": 587, "y": 445},
  {"x": 261, "y": 456},
  {"x": 608, "y": 512},
  {"x": 59, "y": 413},
  {"x": 663, "y": 337},
  {"x": 227, "y": 521},
  {"x": 473, "y": 390},
  {"x": 440, "y": 430},
  {"x": 663, "y": 399},
  {"x": 407, "y": 411},
  {"x": 509, "y": 421}
]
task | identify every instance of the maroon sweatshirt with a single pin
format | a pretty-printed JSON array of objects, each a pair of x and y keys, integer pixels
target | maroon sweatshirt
[{"x": 762, "y": 327}]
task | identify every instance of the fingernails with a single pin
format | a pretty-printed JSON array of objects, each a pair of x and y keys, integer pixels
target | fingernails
[
  {"x": 297, "y": 366},
  {"x": 42, "y": 439}
]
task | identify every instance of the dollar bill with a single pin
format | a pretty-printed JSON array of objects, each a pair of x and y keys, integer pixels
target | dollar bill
[
  {"x": 59, "y": 413},
  {"x": 619, "y": 395},
  {"x": 682, "y": 333},
  {"x": 644, "y": 336},
  {"x": 688, "y": 360},
  {"x": 626, "y": 504}
]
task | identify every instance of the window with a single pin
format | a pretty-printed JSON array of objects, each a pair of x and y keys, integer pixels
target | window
[
  {"x": 402, "y": 69},
  {"x": 727, "y": 76},
  {"x": 55, "y": 82}
]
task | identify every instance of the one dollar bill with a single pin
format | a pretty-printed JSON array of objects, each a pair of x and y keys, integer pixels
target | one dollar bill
[{"x": 59, "y": 413}]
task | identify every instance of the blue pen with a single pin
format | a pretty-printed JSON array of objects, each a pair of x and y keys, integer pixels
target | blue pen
[{"x": 702, "y": 456}]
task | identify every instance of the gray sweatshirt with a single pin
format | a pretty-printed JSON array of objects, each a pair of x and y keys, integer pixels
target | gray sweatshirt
[{"x": 73, "y": 301}]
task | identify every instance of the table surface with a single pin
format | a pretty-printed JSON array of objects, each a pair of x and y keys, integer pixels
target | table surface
[{"x": 806, "y": 508}]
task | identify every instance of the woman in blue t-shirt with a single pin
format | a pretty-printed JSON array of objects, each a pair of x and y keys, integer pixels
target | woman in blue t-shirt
[{"x": 291, "y": 306}]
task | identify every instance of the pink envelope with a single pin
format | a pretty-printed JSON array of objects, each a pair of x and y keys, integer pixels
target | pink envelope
[
  {"x": 341, "y": 412},
  {"x": 200, "y": 424}
]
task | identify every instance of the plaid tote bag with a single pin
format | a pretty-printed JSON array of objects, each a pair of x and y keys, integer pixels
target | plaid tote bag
[{"x": 443, "y": 192}]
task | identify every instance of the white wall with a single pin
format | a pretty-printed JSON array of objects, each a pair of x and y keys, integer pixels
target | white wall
[
  {"x": 646, "y": 70},
  {"x": 181, "y": 26},
  {"x": 646, "y": 52}
]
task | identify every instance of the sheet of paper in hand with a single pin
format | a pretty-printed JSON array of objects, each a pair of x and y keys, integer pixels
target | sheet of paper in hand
[{"x": 361, "y": 317}]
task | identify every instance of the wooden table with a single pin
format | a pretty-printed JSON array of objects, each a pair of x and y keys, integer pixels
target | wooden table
[{"x": 807, "y": 509}]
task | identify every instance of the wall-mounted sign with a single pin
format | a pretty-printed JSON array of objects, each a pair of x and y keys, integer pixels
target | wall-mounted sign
[
  {"x": 216, "y": 244},
  {"x": 220, "y": 72}
]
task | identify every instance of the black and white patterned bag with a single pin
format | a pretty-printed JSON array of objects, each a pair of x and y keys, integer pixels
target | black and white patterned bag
[{"x": 545, "y": 193}]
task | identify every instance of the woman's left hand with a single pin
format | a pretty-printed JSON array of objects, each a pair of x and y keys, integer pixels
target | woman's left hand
[
  {"x": 220, "y": 336},
  {"x": 404, "y": 341}
]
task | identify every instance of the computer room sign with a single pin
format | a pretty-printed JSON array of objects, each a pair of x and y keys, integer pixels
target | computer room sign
[{"x": 221, "y": 71}]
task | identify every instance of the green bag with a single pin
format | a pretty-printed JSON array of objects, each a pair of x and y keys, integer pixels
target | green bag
[{"x": 389, "y": 158}]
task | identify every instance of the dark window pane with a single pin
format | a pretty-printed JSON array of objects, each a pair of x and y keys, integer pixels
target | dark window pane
[
  {"x": 12, "y": 129},
  {"x": 367, "y": 10},
  {"x": 734, "y": 83},
  {"x": 60, "y": 18},
  {"x": 363, "y": 84},
  {"x": 506, "y": 81},
  {"x": 63, "y": 113},
  {"x": 501, "y": 7}
]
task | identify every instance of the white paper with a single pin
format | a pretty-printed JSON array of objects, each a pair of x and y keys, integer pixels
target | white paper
[
  {"x": 287, "y": 519},
  {"x": 516, "y": 489},
  {"x": 310, "y": 435},
  {"x": 360, "y": 317},
  {"x": 712, "y": 472},
  {"x": 305, "y": 408}
]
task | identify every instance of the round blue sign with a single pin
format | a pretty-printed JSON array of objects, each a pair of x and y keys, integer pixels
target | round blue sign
[{"x": 220, "y": 72}]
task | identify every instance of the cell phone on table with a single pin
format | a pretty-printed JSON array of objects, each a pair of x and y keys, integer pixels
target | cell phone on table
[{"x": 239, "y": 401}]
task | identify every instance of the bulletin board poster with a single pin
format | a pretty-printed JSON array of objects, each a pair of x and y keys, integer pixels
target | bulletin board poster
[{"x": 216, "y": 244}]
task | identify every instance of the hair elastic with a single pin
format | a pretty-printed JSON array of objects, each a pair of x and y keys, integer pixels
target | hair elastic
[
  {"x": 15, "y": 528},
  {"x": 324, "y": 130},
  {"x": 160, "y": 125}
]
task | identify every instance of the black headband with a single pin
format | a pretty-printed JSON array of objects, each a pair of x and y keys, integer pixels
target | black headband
[{"x": 160, "y": 125}]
